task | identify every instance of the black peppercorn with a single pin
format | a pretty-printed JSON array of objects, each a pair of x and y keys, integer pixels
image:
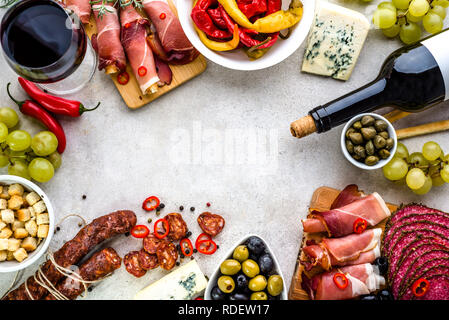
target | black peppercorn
[
  {"x": 181, "y": 208},
  {"x": 58, "y": 228},
  {"x": 162, "y": 206},
  {"x": 195, "y": 251},
  {"x": 84, "y": 196},
  {"x": 188, "y": 234},
  {"x": 127, "y": 234},
  {"x": 177, "y": 263},
  {"x": 192, "y": 208}
]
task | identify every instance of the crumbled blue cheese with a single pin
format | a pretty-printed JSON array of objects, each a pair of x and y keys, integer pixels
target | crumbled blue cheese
[{"x": 335, "y": 41}]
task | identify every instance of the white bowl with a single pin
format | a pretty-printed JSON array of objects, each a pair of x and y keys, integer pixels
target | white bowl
[
  {"x": 382, "y": 162},
  {"x": 237, "y": 59},
  {"x": 10, "y": 266},
  {"x": 213, "y": 279}
]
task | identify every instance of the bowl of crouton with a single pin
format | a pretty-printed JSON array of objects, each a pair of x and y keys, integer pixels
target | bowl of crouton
[{"x": 26, "y": 223}]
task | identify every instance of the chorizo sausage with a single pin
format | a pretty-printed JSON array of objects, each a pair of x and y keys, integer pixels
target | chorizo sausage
[
  {"x": 151, "y": 243},
  {"x": 132, "y": 265},
  {"x": 210, "y": 223},
  {"x": 73, "y": 251},
  {"x": 167, "y": 255},
  {"x": 177, "y": 226},
  {"x": 147, "y": 261}
]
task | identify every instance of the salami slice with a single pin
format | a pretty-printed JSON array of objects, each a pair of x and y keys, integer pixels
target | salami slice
[
  {"x": 151, "y": 243},
  {"x": 210, "y": 223},
  {"x": 132, "y": 264},
  {"x": 147, "y": 261},
  {"x": 167, "y": 255},
  {"x": 177, "y": 226}
]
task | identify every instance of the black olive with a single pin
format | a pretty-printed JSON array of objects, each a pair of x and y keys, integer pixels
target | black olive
[
  {"x": 266, "y": 263},
  {"x": 241, "y": 281},
  {"x": 252, "y": 256},
  {"x": 382, "y": 264},
  {"x": 270, "y": 297},
  {"x": 255, "y": 245},
  {"x": 217, "y": 294},
  {"x": 239, "y": 296},
  {"x": 369, "y": 297},
  {"x": 385, "y": 295}
]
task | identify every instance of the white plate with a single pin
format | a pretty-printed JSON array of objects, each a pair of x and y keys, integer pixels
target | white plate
[{"x": 237, "y": 59}]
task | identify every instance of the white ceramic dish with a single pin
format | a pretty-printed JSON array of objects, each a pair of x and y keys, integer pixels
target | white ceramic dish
[
  {"x": 11, "y": 266},
  {"x": 381, "y": 163},
  {"x": 213, "y": 279},
  {"x": 237, "y": 59}
]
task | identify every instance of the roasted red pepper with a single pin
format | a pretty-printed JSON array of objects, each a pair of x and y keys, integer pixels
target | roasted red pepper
[
  {"x": 146, "y": 205},
  {"x": 34, "y": 110},
  {"x": 254, "y": 8},
  {"x": 166, "y": 228},
  {"x": 186, "y": 247},
  {"x": 420, "y": 287},
  {"x": 204, "y": 22},
  {"x": 54, "y": 104},
  {"x": 360, "y": 225},
  {"x": 140, "y": 231},
  {"x": 340, "y": 280},
  {"x": 215, "y": 15}
]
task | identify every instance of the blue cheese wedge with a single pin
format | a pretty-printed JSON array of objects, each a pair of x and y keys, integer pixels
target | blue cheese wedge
[
  {"x": 335, "y": 41},
  {"x": 185, "y": 283}
]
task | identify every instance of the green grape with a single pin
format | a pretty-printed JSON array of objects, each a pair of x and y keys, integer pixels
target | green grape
[
  {"x": 387, "y": 5},
  {"x": 9, "y": 117},
  {"x": 432, "y": 23},
  {"x": 401, "y": 4},
  {"x": 439, "y": 10},
  {"x": 18, "y": 140},
  {"x": 396, "y": 169},
  {"x": 410, "y": 32},
  {"x": 4, "y": 160},
  {"x": 19, "y": 168},
  {"x": 401, "y": 151},
  {"x": 442, "y": 3},
  {"x": 417, "y": 159},
  {"x": 438, "y": 181},
  {"x": 3, "y": 132},
  {"x": 412, "y": 18},
  {"x": 401, "y": 17},
  {"x": 44, "y": 143},
  {"x": 431, "y": 151},
  {"x": 55, "y": 159},
  {"x": 415, "y": 178},
  {"x": 384, "y": 18},
  {"x": 418, "y": 8},
  {"x": 425, "y": 188},
  {"x": 445, "y": 173},
  {"x": 41, "y": 169},
  {"x": 392, "y": 31}
]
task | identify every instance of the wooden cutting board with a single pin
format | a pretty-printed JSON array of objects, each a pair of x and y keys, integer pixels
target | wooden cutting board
[
  {"x": 322, "y": 200},
  {"x": 131, "y": 93}
]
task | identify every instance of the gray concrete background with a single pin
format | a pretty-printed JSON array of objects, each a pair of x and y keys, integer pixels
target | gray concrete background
[{"x": 176, "y": 148}]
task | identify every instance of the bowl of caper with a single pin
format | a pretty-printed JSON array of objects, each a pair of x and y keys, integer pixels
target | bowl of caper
[
  {"x": 368, "y": 141},
  {"x": 250, "y": 271}
]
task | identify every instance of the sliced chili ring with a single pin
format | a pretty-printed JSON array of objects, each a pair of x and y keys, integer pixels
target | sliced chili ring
[
  {"x": 420, "y": 287},
  {"x": 142, "y": 71},
  {"x": 206, "y": 247},
  {"x": 360, "y": 225},
  {"x": 186, "y": 247},
  {"x": 123, "y": 77},
  {"x": 340, "y": 280},
  {"x": 140, "y": 231},
  {"x": 166, "y": 228},
  {"x": 146, "y": 205},
  {"x": 162, "y": 16},
  {"x": 203, "y": 237}
]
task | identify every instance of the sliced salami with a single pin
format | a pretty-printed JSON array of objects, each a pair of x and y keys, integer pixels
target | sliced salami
[
  {"x": 210, "y": 223},
  {"x": 177, "y": 226},
  {"x": 438, "y": 287},
  {"x": 167, "y": 255},
  {"x": 132, "y": 264},
  {"x": 147, "y": 261},
  {"x": 151, "y": 243}
]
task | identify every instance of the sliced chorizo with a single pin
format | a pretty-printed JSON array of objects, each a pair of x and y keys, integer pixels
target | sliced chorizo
[
  {"x": 177, "y": 226},
  {"x": 151, "y": 243},
  {"x": 132, "y": 264},
  {"x": 210, "y": 223},
  {"x": 167, "y": 255},
  {"x": 147, "y": 261}
]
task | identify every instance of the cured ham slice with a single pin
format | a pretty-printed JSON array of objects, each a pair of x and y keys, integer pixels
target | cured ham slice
[
  {"x": 140, "y": 56},
  {"x": 339, "y": 222},
  {"x": 107, "y": 40},
  {"x": 178, "y": 49},
  {"x": 350, "y": 250},
  {"x": 348, "y": 195},
  {"x": 81, "y": 9},
  {"x": 362, "y": 279}
]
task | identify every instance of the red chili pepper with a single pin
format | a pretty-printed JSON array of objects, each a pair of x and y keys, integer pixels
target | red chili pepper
[
  {"x": 140, "y": 231},
  {"x": 123, "y": 78},
  {"x": 206, "y": 247},
  {"x": 142, "y": 71},
  {"x": 203, "y": 237},
  {"x": 146, "y": 204},
  {"x": 54, "y": 104},
  {"x": 360, "y": 225},
  {"x": 166, "y": 227},
  {"x": 215, "y": 15},
  {"x": 199, "y": 298},
  {"x": 420, "y": 287},
  {"x": 204, "y": 22},
  {"x": 127, "y": 25},
  {"x": 186, "y": 247},
  {"x": 340, "y": 280},
  {"x": 162, "y": 16},
  {"x": 34, "y": 110}
]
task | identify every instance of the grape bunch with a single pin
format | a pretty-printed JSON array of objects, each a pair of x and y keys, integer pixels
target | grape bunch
[
  {"x": 27, "y": 157},
  {"x": 403, "y": 18},
  {"x": 419, "y": 170}
]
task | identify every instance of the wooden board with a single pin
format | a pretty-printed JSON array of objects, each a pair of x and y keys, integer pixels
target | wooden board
[
  {"x": 131, "y": 93},
  {"x": 322, "y": 200}
]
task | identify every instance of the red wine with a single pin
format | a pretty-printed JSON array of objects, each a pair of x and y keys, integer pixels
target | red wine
[
  {"x": 40, "y": 41},
  {"x": 412, "y": 79}
]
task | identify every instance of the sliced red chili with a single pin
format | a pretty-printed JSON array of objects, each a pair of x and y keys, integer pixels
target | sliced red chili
[
  {"x": 206, "y": 247},
  {"x": 123, "y": 78},
  {"x": 186, "y": 247},
  {"x": 360, "y": 225},
  {"x": 166, "y": 228},
  {"x": 142, "y": 71},
  {"x": 146, "y": 205},
  {"x": 199, "y": 298},
  {"x": 340, "y": 280},
  {"x": 203, "y": 237},
  {"x": 127, "y": 25},
  {"x": 162, "y": 16},
  {"x": 420, "y": 287},
  {"x": 140, "y": 231}
]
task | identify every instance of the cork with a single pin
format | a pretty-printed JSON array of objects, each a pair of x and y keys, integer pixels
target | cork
[{"x": 303, "y": 127}]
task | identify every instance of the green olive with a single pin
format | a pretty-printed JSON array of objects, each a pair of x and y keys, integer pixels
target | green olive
[
  {"x": 275, "y": 285},
  {"x": 230, "y": 267},
  {"x": 250, "y": 268},
  {"x": 258, "y": 283},
  {"x": 226, "y": 284},
  {"x": 259, "y": 296},
  {"x": 241, "y": 253}
]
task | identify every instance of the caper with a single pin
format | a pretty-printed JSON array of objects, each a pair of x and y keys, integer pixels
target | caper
[
  {"x": 380, "y": 125},
  {"x": 349, "y": 131},
  {"x": 230, "y": 267},
  {"x": 384, "y": 134},
  {"x": 360, "y": 151},
  {"x": 384, "y": 153},
  {"x": 258, "y": 283},
  {"x": 241, "y": 253},
  {"x": 369, "y": 147},
  {"x": 259, "y": 296},
  {"x": 367, "y": 121},
  {"x": 371, "y": 160},
  {"x": 356, "y": 138},
  {"x": 379, "y": 142},
  {"x": 250, "y": 268},
  {"x": 275, "y": 285},
  {"x": 390, "y": 144},
  {"x": 368, "y": 133},
  {"x": 349, "y": 146},
  {"x": 226, "y": 284},
  {"x": 357, "y": 125},
  {"x": 356, "y": 157}
]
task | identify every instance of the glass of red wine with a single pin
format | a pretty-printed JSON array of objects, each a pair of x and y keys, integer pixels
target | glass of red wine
[{"x": 47, "y": 44}]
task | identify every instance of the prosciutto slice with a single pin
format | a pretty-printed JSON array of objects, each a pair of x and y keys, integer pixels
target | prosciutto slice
[
  {"x": 339, "y": 222},
  {"x": 178, "y": 49},
  {"x": 349, "y": 250},
  {"x": 348, "y": 195},
  {"x": 362, "y": 279},
  {"x": 140, "y": 56},
  {"x": 107, "y": 41},
  {"x": 81, "y": 9}
]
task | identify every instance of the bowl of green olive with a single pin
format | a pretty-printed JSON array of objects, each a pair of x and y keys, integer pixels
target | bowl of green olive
[
  {"x": 250, "y": 271},
  {"x": 369, "y": 141}
]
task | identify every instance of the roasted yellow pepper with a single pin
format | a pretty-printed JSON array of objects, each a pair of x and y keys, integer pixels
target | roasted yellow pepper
[{"x": 220, "y": 46}]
